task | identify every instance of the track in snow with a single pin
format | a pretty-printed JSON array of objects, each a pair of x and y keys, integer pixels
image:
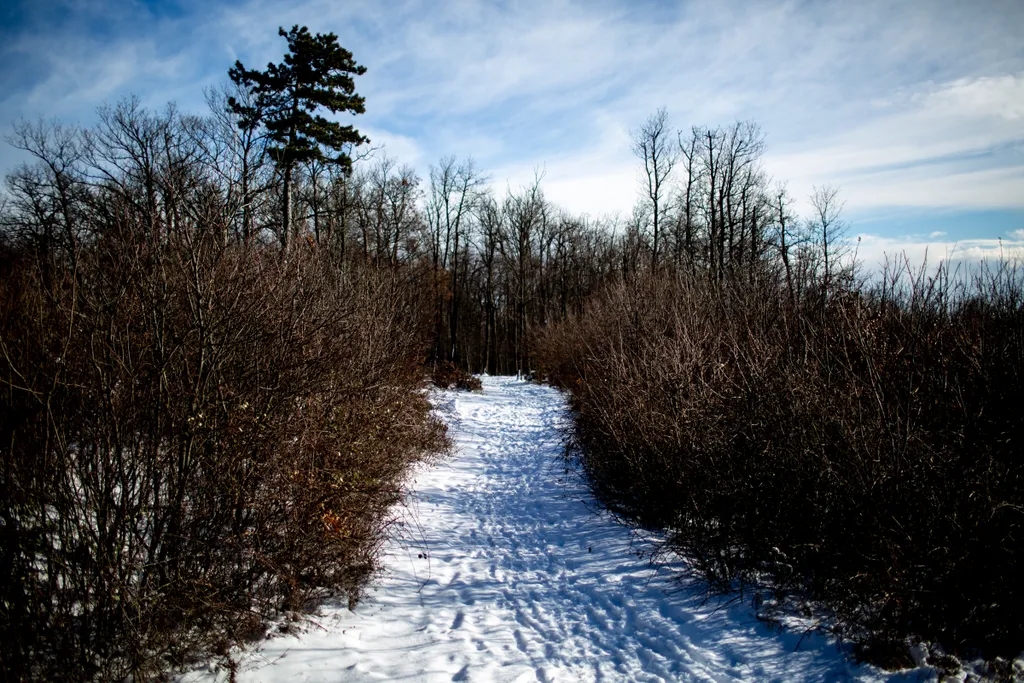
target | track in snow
[{"x": 503, "y": 570}]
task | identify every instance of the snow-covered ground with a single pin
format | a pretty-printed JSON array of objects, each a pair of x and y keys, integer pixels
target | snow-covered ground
[{"x": 504, "y": 570}]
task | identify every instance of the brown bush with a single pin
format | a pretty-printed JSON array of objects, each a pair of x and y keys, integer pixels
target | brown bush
[
  {"x": 195, "y": 437},
  {"x": 447, "y": 375},
  {"x": 863, "y": 454}
]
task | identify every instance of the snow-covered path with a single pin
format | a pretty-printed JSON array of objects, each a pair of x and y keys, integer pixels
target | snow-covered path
[{"x": 504, "y": 571}]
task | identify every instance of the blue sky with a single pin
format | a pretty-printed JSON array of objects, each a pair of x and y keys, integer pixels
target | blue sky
[{"x": 914, "y": 109}]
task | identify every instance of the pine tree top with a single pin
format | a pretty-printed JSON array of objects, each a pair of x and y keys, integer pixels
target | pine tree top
[{"x": 317, "y": 73}]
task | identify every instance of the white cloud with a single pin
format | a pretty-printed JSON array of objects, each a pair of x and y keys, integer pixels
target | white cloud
[
  {"x": 955, "y": 144},
  {"x": 591, "y": 188},
  {"x": 908, "y": 105},
  {"x": 600, "y": 182},
  {"x": 873, "y": 250},
  {"x": 999, "y": 97},
  {"x": 943, "y": 185},
  {"x": 406, "y": 149}
]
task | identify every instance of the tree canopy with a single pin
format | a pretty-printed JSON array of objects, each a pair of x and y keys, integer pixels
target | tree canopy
[{"x": 316, "y": 74}]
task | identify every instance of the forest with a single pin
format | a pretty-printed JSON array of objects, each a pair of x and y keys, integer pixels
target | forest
[{"x": 217, "y": 329}]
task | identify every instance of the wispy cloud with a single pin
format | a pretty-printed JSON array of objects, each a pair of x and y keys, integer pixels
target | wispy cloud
[
  {"x": 873, "y": 251},
  {"x": 946, "y": 145},
  {"x": 919, "y": 104}
]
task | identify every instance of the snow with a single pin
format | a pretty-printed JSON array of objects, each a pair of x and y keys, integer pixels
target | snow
[{"x": 504, "y": 569}]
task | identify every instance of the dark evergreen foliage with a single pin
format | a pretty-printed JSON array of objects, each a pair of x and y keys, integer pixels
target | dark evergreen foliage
[{"x": 316, "y": 74}]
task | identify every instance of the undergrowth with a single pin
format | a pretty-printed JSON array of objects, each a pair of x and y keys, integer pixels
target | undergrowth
[
  {"x": 861, "y": 449},
  {"x": 447, "y": 375},
  {"x": 196, "y": 436}
]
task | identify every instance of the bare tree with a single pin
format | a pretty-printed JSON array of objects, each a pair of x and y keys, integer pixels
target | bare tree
[
  {"x": 453, "y": 187},
  {"x": 490, "y": 220},
  {"x": 527, "y": 214},
  {"x": 49, "y": 193},
  {"x": 632, "y": 241},
  {"x": 238, "y": 154},
  {"x": 387, "y": 211},
  {"x": 828, "y": 230},
  {"x": 653, "y": 145},
  {"x": 787, "y": 235},
  {"x": 689, "y": 196}
]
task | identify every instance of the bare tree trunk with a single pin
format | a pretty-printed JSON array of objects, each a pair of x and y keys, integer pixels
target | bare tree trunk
[
  {"x": 651, "y": 145},
  {"x": 286, "y": 206}
]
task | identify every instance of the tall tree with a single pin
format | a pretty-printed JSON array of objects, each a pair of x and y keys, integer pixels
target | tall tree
[
  {"x": 316, "y": 73},
  {"x": 453, "y": 189},
  {"x": 526, "y": 214},
  {"x": 491, "y": 227},
  {"x": 788, "y": 236},
  {"x": 689, "y": 197},
  {"x": 829, "y": 231},
  {"x": 653, "y": 144},
  {"x": 47, "y": 194},
  {"x": 238, "y": 156}
]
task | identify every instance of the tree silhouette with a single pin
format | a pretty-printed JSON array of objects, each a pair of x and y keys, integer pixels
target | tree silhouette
[{"x": 316, "y": 74}]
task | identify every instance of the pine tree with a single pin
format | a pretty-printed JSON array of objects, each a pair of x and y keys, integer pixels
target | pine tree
[{"x": 316, "y": 73}]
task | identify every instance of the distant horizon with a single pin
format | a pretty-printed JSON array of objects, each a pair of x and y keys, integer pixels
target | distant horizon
[{"x": 915, "y": 114}]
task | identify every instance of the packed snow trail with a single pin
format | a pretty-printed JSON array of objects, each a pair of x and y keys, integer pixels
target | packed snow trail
[{"x": 504, "y": 570}]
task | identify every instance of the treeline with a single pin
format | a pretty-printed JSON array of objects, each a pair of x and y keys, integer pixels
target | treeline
[
  {"x": 507, "y": 266},
  {"x": 496, "y": 266},
  {"x": 499, "y": 266}
]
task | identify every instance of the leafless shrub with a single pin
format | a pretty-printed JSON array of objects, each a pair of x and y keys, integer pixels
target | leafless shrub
[
  {"x": 447, "y": 375},
  {"x": 196, "y": 435},
  {"x": 859, "y": 450}
]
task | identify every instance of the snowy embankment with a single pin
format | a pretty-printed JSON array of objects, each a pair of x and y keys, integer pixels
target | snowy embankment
[{"x": 504, "y": 570}]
